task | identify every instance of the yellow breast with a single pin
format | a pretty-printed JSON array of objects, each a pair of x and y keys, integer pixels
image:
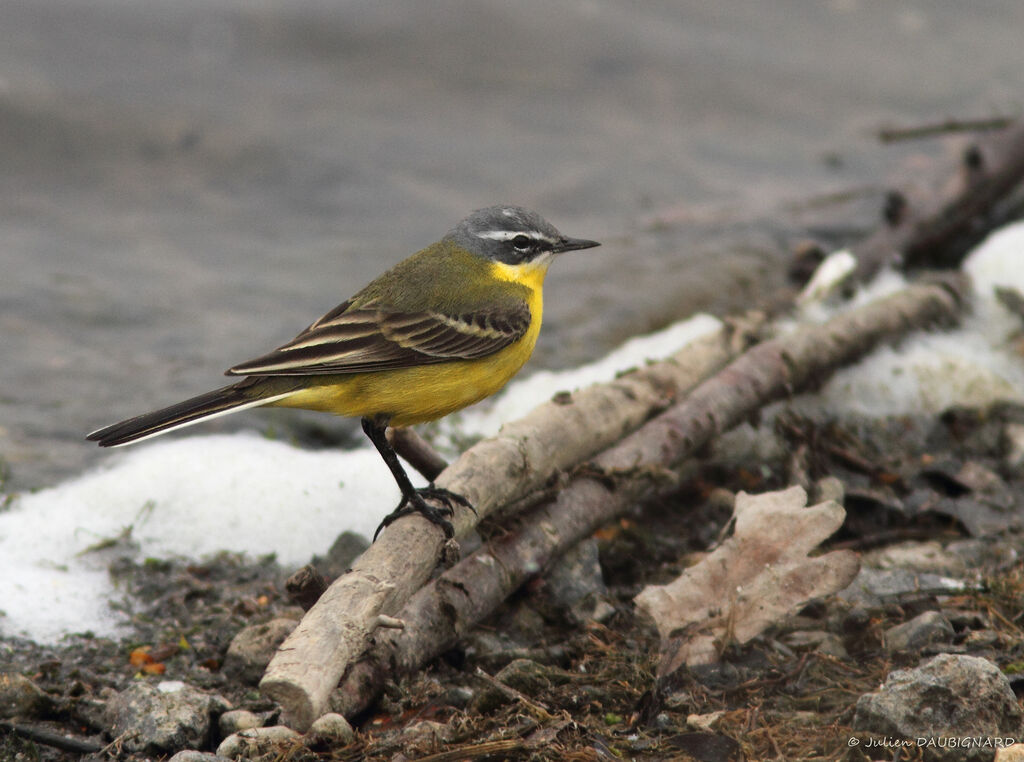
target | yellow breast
[{"x": 428, "y": 392}]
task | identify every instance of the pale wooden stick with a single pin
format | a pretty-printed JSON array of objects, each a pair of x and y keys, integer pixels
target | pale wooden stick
[
  {"x": 520, "y": 459},
  {"x": 635, "y": 468}
]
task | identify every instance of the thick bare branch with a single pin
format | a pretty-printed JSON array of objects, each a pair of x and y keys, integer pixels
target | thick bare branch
[
  {"x": 992, "y": 168},
  {"x": 635, "y": 468},
  {"x": 493, "y": 473}
]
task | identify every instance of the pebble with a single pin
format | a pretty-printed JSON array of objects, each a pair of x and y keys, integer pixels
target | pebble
[
  {"x": 982, "y": 639},
  {"x": 827, "y": 488},
  {"x": 822, "y": 642},
  {"x": 162, "y": 717},
  {"x": 832, "y": 645},
  {"x": 459, "y": 696},
  {"x": 334, "y": 729},
  {"x": 989, "y": 552},
  {"x": 20, "y": 697},
  {"x": 924, "y": 629},
  {"x": 573, "y": 585},
  {"x": 947, "y": 696},
  {"x": 1013, "y": 445},
  {"x": 236, "y": 720},
  {"x": 197, "y": 756},
  {"x": 663, "y": 721},
  {"x": 918, "y": 557},
  {"x": 874, "y": 588},
  {"x": 705, "y": 722},
  {"x": 423, "y": 738},
  {"x": 347, "y": 547},
  {"x": 253, "y": 742},
  {"x": 253, "y": 647}
]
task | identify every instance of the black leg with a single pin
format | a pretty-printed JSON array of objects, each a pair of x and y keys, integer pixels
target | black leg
[{"x": 412, "y": 498}]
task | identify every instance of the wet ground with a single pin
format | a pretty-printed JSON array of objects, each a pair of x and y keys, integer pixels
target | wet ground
[{"x": 187, "y": 185}]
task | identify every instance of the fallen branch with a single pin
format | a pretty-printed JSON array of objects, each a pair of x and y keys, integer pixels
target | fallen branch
[
  {"x": 638, "y": 467},
  {"x": 992, "y": 169},
  {"x": 49, "y": 738},
  {"x": 896, "y": 134},
  {"x": 524, "y": 456}
]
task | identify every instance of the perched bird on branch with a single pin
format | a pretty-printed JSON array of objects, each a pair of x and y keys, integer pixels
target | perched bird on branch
[{"x": 441, "y": 330}]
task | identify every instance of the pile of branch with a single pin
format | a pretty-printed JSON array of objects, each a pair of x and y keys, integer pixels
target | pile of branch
[
  {"x": 495, "y": 473},
  {"x": 620, "y": 443}
]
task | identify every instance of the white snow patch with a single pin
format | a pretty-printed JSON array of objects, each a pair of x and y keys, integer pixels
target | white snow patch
[{"x": 194, "y": 496}]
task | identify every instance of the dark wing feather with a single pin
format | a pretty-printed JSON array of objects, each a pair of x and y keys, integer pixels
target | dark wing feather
[{"x": 348, "y": 340}]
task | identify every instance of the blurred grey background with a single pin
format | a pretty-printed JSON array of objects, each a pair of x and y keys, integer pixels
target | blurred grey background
[{"x": 184, "y": 185}]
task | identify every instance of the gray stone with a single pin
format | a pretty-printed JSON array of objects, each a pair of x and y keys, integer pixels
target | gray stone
[
  {"x": 820, "y": 641},
  {"x": 663, "y": 721},
  {"x": 832, "y": 645},
  {"x": 20, "y": 697},
  {"x": 423, "y": 738},
  {"x": 874, "y": 588},
  {"x": 254, "y": 742},
  {"x": 333, "y": 729},
  {"x": 236, "y": 720},
  {"x": 947, "y": 696},
  {"x": 573, "y": 585},
  {"x": 924, "y": 629},
  {"x": 253, "y": 647},
  {"x": 346, "y": 548},
  {"x": 602, "y": 612},
  {"x": 486, "y": 647},
  {"x": 917, "y": 557},
  {"x": 197, "y": 756},
  {"x": 163, "y": 717},
  {"x": 1013, "y": 446},
  {"x": 459, "y": 696},
  {"x": 984, "y": 553},
  {"x": 982, "y": 639}
]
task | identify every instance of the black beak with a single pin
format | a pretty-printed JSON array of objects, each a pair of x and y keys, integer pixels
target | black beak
[{"x": 572, "y": 244}]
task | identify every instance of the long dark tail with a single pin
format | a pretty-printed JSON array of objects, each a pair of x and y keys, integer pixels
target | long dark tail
[{"x": 244, "y": 394}]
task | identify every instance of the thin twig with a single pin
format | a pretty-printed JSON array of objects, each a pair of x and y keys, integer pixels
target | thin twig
[
  {"x": 536, "y": 708},
  {"x": 896, "y": 134},
  {"x": 475, "y": 751},
  {"x": 49, "y": 738}
]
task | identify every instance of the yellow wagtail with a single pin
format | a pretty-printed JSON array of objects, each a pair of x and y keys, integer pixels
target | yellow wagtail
[{"x": 446, "y": 328}]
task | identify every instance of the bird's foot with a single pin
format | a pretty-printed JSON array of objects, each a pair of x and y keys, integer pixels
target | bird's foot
[{"x": 416, "y": 503}]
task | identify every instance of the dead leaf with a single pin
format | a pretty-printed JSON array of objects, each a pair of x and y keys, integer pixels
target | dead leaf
[
  {"x": 753, "y": 579},
  {"x": 140, "y": 656}
]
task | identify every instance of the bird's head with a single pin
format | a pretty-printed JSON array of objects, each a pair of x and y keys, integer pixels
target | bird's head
[{"x": 513, "y": 235}]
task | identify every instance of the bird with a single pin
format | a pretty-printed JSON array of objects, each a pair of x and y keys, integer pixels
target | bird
[{"x": 441, "y": 330}]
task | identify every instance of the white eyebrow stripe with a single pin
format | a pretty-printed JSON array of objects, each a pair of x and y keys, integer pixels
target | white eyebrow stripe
[{"x": 508, "y": 235}]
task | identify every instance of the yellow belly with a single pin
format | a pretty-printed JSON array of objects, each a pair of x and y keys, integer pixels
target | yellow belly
[
  {"x": 426, "y": 392},
  {"x": 413, "y": 395}
]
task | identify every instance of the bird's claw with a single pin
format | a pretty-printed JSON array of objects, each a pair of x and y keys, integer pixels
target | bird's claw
[{"x": 416, "y": 503}]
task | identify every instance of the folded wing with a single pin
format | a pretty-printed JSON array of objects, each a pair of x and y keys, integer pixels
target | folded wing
[{"x": 352, "y": 340}]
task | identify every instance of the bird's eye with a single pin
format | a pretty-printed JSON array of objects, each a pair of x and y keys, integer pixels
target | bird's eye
[{"x": 522, "y": 243}]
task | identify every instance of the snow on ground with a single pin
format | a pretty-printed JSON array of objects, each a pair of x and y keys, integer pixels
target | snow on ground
[
  {"x": 197, "y": 495},
  {"x": 975, "y": 364},
  {"x": 193, "y": 496}
]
